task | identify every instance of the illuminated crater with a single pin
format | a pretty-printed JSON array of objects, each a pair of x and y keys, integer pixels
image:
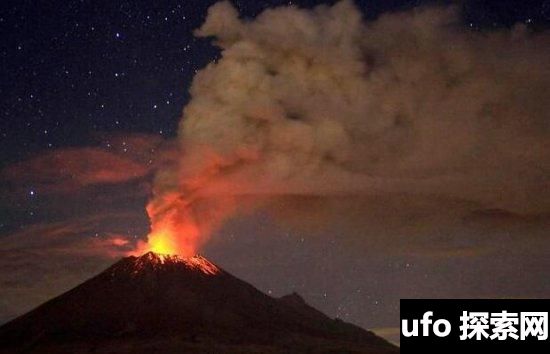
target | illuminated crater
[{"x": 159, "y": 260}]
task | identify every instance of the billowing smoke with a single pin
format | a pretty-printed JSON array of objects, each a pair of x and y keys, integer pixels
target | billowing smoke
[{"x": 319, "y": 103}]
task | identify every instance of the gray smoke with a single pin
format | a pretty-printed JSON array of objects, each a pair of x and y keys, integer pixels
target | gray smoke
[{"x": 319, "y": 103}]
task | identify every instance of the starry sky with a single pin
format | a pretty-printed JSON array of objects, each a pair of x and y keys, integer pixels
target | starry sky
[{"x": 90, "y": 93}]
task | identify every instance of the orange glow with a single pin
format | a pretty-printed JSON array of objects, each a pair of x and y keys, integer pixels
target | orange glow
[
  {"x": 183, "y": 218},
  {"x": 197, "y": 262},
  {"x": 160, "y": 243},
  {"x": 179, "y": 239},
  {"x": 119, "y": 241},
  {"x": 173, "y": 230}
]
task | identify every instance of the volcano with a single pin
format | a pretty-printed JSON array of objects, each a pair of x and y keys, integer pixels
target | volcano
[{"x": 167, "y": 304}]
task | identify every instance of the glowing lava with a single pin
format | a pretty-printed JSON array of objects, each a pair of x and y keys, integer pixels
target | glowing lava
[
  {"x": 182, "y": 219},
  {"x": 152, "y": 260},
  {"x": 161, "y": 242},
  {"x": 180, "y": 239},
  {"x": 173, "y": 230}
]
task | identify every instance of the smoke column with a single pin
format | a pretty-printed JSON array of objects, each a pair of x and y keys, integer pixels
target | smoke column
[{"x": 318, "y": 102}]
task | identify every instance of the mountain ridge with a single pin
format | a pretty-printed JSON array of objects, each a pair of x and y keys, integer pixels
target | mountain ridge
[{"x": 169, "y": 303}]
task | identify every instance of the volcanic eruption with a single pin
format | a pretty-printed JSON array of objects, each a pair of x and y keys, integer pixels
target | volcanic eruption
[
  {"x": 319, "y": 103},
  {"x": 168, "y": 303}
]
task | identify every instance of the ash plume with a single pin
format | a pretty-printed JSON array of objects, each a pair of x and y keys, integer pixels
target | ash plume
[{"x": 317, "y": 103}]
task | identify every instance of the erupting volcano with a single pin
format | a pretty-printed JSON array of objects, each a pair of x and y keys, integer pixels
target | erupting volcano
[
  {"x": 169, "y": 303},
  {"x": 180, "y": 223},
  {"x": 173, "y": 230}
]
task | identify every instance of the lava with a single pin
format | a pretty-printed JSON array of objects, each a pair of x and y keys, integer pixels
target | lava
[
  {"x": 174, "y": 238},
  {"x": 154, "y": 260},
  {"x": 173, "y": 229},
  {"x": 181, "y": 221},
  {"x": 160, "y": 243}
]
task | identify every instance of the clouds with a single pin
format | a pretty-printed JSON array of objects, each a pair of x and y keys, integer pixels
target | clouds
[
  {"x": 71, "y": 236},
  {"x": 112, "y": 174},
  {"x": 65, "y": 170},
  {"x": 75, "y": 167},
  {"x": 318, "y": 103},
  {"x": 86, "y": 210},
  {"x": 408, "y": 139},
  {"x": 69, "y": 183},
  {"x": 44, "y": 259}
]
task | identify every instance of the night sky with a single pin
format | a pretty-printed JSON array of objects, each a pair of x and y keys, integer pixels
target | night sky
[{"x": 90, "y": 93}]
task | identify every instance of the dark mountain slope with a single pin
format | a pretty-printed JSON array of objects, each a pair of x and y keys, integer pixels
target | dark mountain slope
[{"x": 160, "y": 303}]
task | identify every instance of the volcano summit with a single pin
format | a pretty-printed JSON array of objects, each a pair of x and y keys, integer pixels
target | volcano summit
[{"x": 168, "y": 304}]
